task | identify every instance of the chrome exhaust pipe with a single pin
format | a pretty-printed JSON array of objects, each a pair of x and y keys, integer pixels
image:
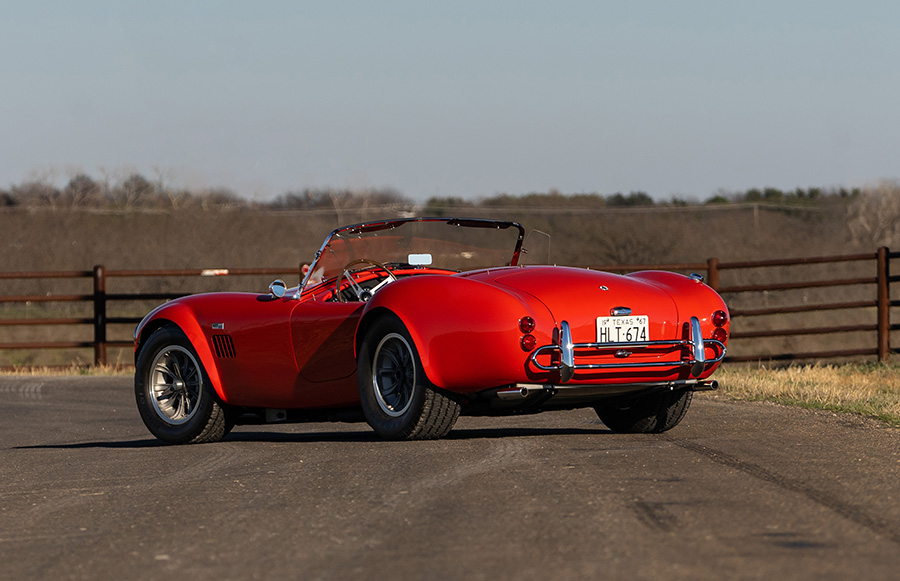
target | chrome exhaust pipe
[{"x": 706, "y": 386}]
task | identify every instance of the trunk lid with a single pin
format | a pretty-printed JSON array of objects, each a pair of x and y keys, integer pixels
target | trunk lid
[{"x": 579, "y": 296}]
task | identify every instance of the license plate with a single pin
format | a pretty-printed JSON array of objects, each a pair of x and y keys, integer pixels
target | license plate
[{"x": 622, "y": 329}]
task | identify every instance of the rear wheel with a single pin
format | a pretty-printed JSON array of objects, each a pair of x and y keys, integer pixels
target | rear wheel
[
  {"x": 174, "y": 395},
  {"x": 648, "y": 414},
  {"x": 397, "y": 399}
]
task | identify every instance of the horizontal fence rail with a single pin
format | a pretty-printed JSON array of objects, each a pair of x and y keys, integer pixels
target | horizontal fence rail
[
  {"x": 877, "y": 284},
  {"x": 100, "y": 300}
]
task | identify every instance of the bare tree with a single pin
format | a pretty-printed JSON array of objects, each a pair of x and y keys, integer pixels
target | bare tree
[
  {"x": 36, "y": 193},
  {"x": 873, "y": 218},
  {"x": 136, "y": 190},
  {"x": 82, "y": 190}
]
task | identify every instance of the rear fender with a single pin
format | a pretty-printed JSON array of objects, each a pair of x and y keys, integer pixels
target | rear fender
[
  {"x": 692, "y": 298},
  {"x": 466, "y": 331}
]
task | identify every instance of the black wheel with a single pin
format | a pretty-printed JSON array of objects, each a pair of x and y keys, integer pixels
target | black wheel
[
  {"x": 174, "y": 395},
  {"x": 649, "y": 414},
  {"x": 397, "y": 399}
]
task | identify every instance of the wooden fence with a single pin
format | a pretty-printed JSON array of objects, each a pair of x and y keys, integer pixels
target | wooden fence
[
  {"x": 100, "y": 299},
  {"x": 872, "y": 314}
]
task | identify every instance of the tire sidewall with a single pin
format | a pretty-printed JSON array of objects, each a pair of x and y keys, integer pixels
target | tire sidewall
[
  {"x": 387, "y": 426},
  {"x": 161, "y": 340}
]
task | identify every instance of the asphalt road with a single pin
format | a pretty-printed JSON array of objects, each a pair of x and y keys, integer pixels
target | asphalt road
[{"x": 737, "y": 491}]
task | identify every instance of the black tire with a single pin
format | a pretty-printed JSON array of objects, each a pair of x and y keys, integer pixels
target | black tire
[
  {"x": 649, "y": 414},
  {"x": 174, "y": 395},
  {"x": 397, "y": 399}
]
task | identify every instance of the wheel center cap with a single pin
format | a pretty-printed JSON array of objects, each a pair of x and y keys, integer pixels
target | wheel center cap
[{"x": 178, "y": 384}]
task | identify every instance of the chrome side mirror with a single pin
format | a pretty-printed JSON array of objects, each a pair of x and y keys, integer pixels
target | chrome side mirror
[{"x": 277, "y": 288}]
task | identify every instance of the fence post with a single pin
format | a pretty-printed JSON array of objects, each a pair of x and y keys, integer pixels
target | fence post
[
  {"x": 99, "y": 315},
  {"x": 712, "y": 273},
  {"x": 884, "y": 304}
]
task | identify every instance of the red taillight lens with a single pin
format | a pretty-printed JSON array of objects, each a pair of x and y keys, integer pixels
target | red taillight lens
[
  {"x": 528, "y": 342},
  {"x": 526, "y": 324},
  {"x": 720, "y": 335},
  {"x": 719, "y": 318}
]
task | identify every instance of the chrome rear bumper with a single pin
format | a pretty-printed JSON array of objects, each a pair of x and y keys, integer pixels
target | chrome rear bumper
[
  {"x": 566, "y": 348},
  {"x": 522, "y": 391}
]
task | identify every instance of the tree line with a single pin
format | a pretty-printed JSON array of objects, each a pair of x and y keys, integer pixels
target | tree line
[{"x": 137, "y": 192}]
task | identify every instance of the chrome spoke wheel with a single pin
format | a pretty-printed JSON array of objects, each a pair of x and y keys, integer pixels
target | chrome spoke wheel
[
  {"x": 176, "y": 385},
  {"x": 394, "y": 374}
]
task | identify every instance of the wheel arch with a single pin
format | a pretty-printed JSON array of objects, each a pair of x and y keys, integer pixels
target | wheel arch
[
  {"x": 183, "y": 318},
  {"x": 365, "y": 323}
]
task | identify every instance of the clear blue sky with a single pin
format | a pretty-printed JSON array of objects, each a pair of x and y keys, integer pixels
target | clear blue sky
[{"x": 456, "y": 98}]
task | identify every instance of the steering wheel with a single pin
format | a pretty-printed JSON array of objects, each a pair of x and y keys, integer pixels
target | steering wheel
[{"x": 361, "y": 293}]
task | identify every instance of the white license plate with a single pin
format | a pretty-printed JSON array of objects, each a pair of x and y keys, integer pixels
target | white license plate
[{"x": 623, "y": 329}]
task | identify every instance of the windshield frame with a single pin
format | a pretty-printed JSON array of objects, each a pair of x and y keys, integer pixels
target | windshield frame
[{"x": 379, "y": 225}]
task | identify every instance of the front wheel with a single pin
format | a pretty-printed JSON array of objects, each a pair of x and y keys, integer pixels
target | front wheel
[
  {"x": 174, "y": 395},
  {"x": 397, "y": 399},
  {"x": 649, "y": 414}
]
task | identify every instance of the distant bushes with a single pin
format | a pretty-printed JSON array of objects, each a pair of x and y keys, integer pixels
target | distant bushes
[
  {"x": 137, "y": 192},
  {"x": 797, "y": 196},
  {"x": 134, "y": 191},
  {"x": 331, "y": 200}
]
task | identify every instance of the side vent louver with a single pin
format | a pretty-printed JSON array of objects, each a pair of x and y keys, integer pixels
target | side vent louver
[{"x": 224, "y": 346}]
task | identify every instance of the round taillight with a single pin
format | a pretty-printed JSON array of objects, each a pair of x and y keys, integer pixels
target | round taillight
[
  {"x": 719, "y": 318},
  {"x": 720, "y": 335},
  {"x": 528, "y": 342},
  {"x": 526, "y": 324}
]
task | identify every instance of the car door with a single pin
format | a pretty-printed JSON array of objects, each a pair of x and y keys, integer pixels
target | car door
[{"x": 322, "y": 334}]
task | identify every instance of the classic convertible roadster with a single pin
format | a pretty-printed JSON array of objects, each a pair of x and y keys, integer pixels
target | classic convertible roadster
[{"x": 409, "y": 323}]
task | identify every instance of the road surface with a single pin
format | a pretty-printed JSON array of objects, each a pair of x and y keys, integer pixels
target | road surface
[{"x": 737, "y": 491}]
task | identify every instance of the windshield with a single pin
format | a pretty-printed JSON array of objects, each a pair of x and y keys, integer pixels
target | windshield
[{"x": 441, "y": 243}]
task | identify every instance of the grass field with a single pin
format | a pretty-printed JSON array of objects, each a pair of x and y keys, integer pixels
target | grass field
[{"x": 867, "y": 389}]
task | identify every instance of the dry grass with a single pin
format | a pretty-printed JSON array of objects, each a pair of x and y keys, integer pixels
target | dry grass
[
  {"x": 73, "y": 369},
  {"x": 868, "y": 389}
]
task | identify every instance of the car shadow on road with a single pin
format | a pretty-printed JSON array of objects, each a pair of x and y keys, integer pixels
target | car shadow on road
[
  {"x": 148, "y": 443},
  {"x": 349, "y": 436},
  {"x": 369, "y": 436},
  {"x": 488, "y": 433}
]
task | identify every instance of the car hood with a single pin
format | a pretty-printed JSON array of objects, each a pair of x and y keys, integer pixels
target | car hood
[{"x": 579, "y": 296}]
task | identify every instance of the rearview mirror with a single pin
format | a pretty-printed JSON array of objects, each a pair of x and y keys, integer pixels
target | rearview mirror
[{"x": 419, "y": 260}]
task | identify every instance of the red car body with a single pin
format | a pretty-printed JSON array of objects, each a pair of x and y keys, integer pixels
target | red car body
[{"x": 493, "y": 340}]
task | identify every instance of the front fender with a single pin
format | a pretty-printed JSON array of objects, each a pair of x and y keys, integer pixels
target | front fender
[
  {"x": 466, "y": 331},
  {"x": 183, "y": 316}
]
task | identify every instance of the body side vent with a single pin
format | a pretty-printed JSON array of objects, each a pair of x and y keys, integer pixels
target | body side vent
[{"x": 224, "y": 346}]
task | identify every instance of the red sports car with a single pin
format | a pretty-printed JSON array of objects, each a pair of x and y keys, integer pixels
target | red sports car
[{"x": 409, "y": 323}]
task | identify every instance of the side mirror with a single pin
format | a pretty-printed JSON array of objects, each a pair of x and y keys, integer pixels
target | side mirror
[{"x": 277, "y": 288}]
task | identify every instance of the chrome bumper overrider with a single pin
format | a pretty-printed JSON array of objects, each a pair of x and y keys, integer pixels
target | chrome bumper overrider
[{"x": 566, "y": 348}]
